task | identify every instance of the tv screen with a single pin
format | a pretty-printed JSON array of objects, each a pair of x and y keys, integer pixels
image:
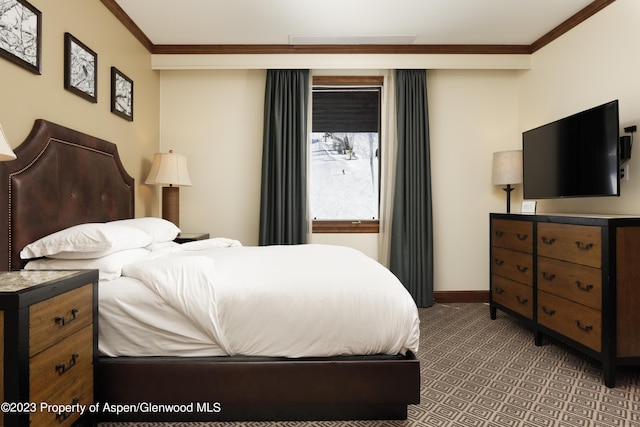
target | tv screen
[{"x": 576, "y": 156}]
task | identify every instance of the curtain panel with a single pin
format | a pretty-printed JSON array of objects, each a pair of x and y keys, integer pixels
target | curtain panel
[
  {"x": 411, "y": 243},
  {"x": 283, "y": 199}
]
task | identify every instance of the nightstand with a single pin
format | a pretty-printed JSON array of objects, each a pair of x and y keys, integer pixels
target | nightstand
[
  {"x": 48, "y": 345},
  {"x": 190, "y": 237}
]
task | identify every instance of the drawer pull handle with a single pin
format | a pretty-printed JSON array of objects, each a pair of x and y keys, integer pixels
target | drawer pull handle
[
  {"x": 499, "y": 233},
  {"x": 547, "y": 241},
  {"x": 522, "y": 236},
  {"x": 61, "y": 416},
  {"x": 499, "y": 291},
  {"x": 498, "y": 261},
  {"x": 587, "y": 328},
  {"x": 547, "y": 311},
  {"x": 582, "y": 287},
  {"x": 548, "y": 276},
  {"x": 522, "y": 301},
  {"x": 63, "y": 321},
  {"x": 522, "y": 269},
  {"x": 61, "y": 368},
  {"x": 583, "y": 246}
]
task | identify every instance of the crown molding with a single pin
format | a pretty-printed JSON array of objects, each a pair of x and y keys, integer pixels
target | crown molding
[{"x": 259, "y": 49}]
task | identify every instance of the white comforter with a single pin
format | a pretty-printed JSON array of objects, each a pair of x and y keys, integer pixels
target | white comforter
[{"x": 289, "y": 301}]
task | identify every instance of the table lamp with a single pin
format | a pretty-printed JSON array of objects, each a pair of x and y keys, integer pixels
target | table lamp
[
  {"x": 169, "y": 170},
  {"x": 6, "y": 153},
  {"x": 507, "y": 170}
]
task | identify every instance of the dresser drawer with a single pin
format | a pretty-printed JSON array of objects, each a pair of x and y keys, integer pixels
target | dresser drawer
[
  {"x": 61, "y": 365},
  {"x": 573, "y": 320},
  {"x": 512, "y": 295},
  {"x": 53, "y": 319},
  {"x": 574, "y": 282},
  {"x": 79, "y": 391},
  {"x": 516, "y": 235},
  {"x": 581, "y": 244},
  {"x": 514, "y": 265}
]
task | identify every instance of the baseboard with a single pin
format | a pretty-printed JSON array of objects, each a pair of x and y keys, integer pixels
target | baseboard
[{"x": 450, "y": 297}]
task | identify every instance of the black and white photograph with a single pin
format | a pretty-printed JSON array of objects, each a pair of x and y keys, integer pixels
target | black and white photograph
[
  {"x": 121, "y": 94},
  {"x": 80, "y": 69},
  {"x": 20, "y": 29}
]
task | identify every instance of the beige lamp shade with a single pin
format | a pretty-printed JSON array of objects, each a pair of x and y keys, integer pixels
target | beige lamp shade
[
  {"x": 169, "y": 169},
  {"x": 6, "y": 153},
  {"x": 507, "y": 167}
]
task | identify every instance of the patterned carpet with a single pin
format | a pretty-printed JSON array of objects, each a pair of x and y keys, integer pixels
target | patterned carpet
[{"x": 477, "y": 372}]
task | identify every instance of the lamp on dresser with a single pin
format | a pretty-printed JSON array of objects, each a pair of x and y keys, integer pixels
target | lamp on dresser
[
  {"x": 507, "y": 170},
  {"x": 169, "y": 170},
  {"x": 6, "y": 153}
]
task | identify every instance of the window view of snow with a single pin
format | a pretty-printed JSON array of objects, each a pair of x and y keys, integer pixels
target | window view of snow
[{"x": 344, "y": 176}]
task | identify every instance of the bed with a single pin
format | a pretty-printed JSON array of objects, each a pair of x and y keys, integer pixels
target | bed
[{"x": 63, "y": 178}]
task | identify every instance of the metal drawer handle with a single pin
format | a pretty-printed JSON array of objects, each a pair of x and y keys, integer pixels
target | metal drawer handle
[
  {"x": 522, "y": 236},
  {"x": 547, "y": 311},
  {"x": 63, "y": 321},
  {"x": 582, "y": 287},
  {"x": 583, "y": 246},
  {"x": 498, "y": 261},
  {"x": 522, "y": 269},
  {"x": 522, "y": 300},
  {"x": 587, "y": 328},
  {"x": 499, "y": 291},
  {"x": 499, "y": 233},
  {"x": 61, "y": 368},
  {"x": 547, "y": 276},
  {"x": 61, "y": 416},
  {"x": 547, "y": 241}
]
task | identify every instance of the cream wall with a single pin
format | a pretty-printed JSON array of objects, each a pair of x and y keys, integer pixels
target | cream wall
[
  {"x": 215, "y": 118},
  {"x": 27, "y": 96},
  {"x": 594, "y": 63}
]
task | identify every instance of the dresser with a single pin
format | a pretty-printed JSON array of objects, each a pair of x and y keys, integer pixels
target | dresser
[
  {"x": 574, "y": 278},
  {"x": 48, "y": 338}
]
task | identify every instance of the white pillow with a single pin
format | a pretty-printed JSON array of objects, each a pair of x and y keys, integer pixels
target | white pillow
[
  {"x": 110, "y": 266},
  {"x": 159, "y": 229},
  {"x": 86, "y": 241}
]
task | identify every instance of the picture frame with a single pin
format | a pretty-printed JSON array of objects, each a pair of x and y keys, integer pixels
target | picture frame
[
  {"x": 80, "y": 69},
  {"x": 21, "y": 34},
  {"x": 121, "y": 94},
  {"x": 528, "y": 207}
]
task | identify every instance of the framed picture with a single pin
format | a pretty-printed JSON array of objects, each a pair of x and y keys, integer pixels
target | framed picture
[
  {"x": 80, "y": 69},
  {"x": 20, "y": 34},
  {"x": 121, "y": 94}
]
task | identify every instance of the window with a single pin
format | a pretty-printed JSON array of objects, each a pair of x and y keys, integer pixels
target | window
[{"x": 345, "y": 152}]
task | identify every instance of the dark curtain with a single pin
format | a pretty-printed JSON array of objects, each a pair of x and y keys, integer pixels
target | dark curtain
[
  {"x": 411, "y": 247},
  {"x": 283, "y": 200}
]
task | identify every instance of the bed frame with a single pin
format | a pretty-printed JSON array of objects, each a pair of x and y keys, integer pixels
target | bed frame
[{"x": 61, "y": 178}]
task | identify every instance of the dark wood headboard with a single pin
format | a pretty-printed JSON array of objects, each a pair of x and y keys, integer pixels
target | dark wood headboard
[{"x": 60, "y": 178}]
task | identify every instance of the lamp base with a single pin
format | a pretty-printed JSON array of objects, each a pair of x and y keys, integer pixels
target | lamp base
[
  {"x": 508, "y": 191},
  {"x": 171, "y": 204}
]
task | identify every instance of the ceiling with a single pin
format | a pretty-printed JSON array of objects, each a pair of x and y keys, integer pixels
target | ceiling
[{"x": 353, "y": 22}]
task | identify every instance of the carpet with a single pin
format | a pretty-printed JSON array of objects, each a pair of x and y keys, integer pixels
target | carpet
[{"x": 477, "y": 372}]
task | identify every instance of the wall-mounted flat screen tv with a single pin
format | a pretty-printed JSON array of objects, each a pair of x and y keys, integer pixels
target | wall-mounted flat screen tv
[{"x": 576, "y": 156}]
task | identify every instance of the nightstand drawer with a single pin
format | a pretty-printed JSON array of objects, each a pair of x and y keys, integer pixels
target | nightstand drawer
[
  {"x": 574, "y": 282},
  {"x": 516, "y": 235},
  {"x": 58, "y": 317},
  {"x": 580, "y": 244},
  {"x": 512, "y": 295},
  {"x": 573, "y": 320},
  {"x": 79, "y": 391},
  {"x": 61, "y": 365},
  {"x": 514, "y": 265}
]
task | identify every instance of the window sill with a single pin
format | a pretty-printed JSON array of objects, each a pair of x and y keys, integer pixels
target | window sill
[{"x": 369, "y": 226}]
